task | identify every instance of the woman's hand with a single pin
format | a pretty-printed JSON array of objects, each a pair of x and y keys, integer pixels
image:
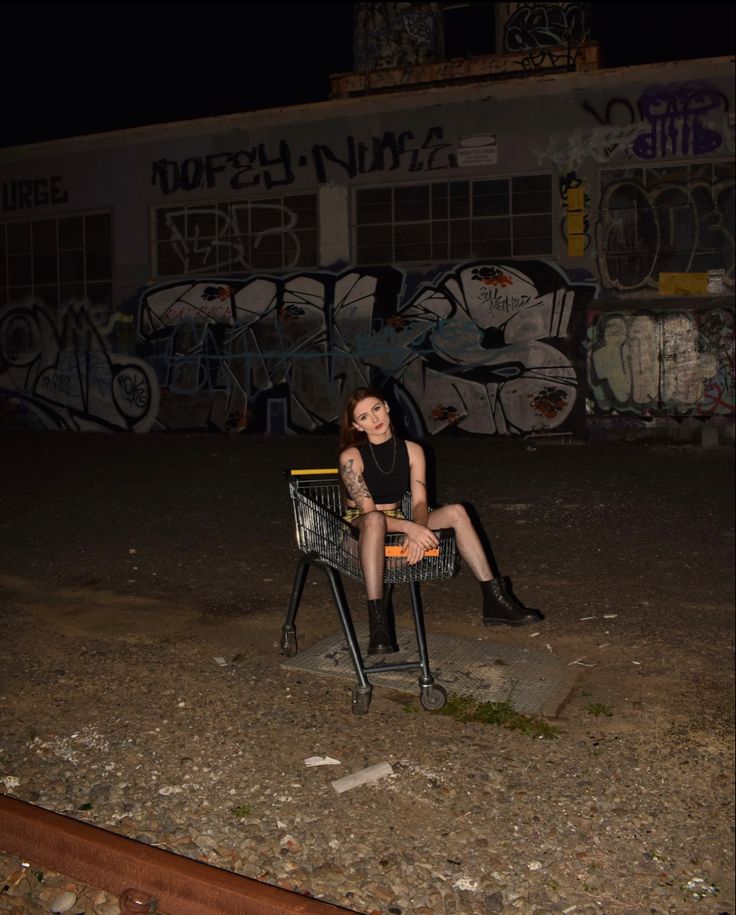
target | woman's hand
[{"x": 418, "y": 539}]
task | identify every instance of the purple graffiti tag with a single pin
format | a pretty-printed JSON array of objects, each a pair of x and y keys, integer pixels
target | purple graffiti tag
[{"x": 674, "y": 114}]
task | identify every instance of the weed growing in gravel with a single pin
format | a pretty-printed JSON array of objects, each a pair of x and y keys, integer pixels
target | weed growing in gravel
[
  {"x": 465, "y": 708},
  {"x": 242, "y": 811},
  {"x": 598, "y": 709}
]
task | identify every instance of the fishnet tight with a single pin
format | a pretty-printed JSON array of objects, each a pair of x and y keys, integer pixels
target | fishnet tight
[
  {"x": 373, "y": 534},
  {"x": 370, "y": 548},
  {"x": 468, "y": 542}
]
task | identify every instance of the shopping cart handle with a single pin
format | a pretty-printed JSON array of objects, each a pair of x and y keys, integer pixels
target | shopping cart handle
[{"x": 311, "y": 472}]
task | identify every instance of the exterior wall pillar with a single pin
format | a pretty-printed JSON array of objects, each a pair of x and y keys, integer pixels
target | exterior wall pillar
[{"x": 334, "y": 216}]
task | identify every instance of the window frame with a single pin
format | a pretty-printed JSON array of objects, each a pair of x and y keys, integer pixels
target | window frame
[
  {"x": 445, "y": 246},
  {"x": 46, "y": 268},
  {"x": 649, "y": 177}
]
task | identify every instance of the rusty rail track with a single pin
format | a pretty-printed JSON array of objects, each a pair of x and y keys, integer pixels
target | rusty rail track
[{"x": 135, "y": 872}]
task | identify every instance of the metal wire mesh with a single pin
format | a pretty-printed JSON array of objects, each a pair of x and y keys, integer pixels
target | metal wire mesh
[{"x": 324, "y": 536}]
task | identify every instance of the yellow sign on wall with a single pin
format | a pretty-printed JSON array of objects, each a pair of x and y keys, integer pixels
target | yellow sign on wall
[
  {"x": 575, "y": 245},
  {"x": 575, "y": 223},
  {"x": 683, "y": 283}
]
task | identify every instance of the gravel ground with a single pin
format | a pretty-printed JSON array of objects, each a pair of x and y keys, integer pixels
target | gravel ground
[{"x": 143, "y": 583}]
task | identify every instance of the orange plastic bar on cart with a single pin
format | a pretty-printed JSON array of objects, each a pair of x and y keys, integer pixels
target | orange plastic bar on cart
[{"x": 398, "y": 551}]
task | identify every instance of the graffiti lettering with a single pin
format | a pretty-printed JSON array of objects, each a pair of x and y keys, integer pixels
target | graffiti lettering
[
  {"x": 685, "y": 119},
  {"x": 484, "y": 348},
  {"x": 466, "y": 351},
  {"x": 598, "y": 143},
  {"x": 199, "y": 247},
  {"x": 542, "y": 26},
  {"x": 21, "y": 195},
  {"x": 202, "y": 171},
  {"x": 551, "y": 60},
  {"x": 386, "y": 153},
  {"x": 255, "y": 167},
  {"x": 610, "y": 117},
  {"x": 498, "y": 301},
  {"x": 389, "y": 36},
  {"x": 134, "y": 389},
  {"x": 666, "y": 226},
  {"x": 420, "y": 26},
  {"x": 56, "y": 383},
  {"x": 678, "y": 363},
  {"x": 674, "y": 114},
  {"x": 63, "y": 372}
]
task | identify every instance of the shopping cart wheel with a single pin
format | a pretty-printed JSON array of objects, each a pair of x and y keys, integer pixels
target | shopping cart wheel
[
  {"x": 432, "y": 697},
  {"x": 361, "y": 699},
  {"x": 288, "y": 641}
]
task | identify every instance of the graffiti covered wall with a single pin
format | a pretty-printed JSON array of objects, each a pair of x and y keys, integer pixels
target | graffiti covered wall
[
  {"x": 545, "y": 257},
  {"x": 484, "y": 348},
  {"x": 64, "y": 373},
  {"x": 673, "y": 363}
]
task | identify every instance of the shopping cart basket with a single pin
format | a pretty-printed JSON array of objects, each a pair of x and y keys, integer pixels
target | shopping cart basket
[{"x": 327, "y": 540}]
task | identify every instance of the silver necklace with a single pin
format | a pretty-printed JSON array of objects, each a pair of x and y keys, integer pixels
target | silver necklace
[{"x": 386, "y": 473}]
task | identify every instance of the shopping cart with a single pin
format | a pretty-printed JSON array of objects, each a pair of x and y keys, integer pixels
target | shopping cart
[{"x": 326, "y": 540}]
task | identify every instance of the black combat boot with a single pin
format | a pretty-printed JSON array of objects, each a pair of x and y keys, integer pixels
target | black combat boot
[
  {"x": 380, "y": 628},
  {"x": 501, "y": 608}
]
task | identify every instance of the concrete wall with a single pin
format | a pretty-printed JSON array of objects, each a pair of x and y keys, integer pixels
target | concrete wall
[{"x": 627, "y": 320}]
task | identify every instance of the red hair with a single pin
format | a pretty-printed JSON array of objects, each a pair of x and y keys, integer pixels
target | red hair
[{"x": 349, "y": 435}]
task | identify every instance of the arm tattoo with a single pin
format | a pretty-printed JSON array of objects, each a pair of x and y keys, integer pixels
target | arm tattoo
[
  {"x": 420, "y": 483},
  {"x": 354, "y": 483}
]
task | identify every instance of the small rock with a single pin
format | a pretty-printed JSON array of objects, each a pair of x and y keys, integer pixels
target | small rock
[
  {"x": 205, "y": 842},
  {"x": 63, "y": 901},
  {"x": 493, "y": 903},
  {"x": 380, "y": 892},
  {"x": 21, "y": 888},
  {"x": 290, "y": 844}
]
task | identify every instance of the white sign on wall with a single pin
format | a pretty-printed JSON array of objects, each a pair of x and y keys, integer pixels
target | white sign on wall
[{"x": 482, "y": 150}]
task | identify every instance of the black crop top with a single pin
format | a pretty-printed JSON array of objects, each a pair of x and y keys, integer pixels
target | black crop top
[{"x": 387, "y": 479}]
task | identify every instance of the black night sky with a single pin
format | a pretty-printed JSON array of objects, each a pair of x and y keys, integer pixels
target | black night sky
[{"x": 85, "y": 67}]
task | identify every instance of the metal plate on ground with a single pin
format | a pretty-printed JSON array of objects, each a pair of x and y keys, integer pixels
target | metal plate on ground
[{"x": 533, "y": 682}]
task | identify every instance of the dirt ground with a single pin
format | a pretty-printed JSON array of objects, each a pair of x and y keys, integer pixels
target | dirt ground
[{"x": 143, "y": 549}]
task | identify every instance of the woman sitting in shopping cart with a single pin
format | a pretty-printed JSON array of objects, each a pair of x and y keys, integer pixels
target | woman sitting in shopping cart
[{"x": 377, "y": 468}]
